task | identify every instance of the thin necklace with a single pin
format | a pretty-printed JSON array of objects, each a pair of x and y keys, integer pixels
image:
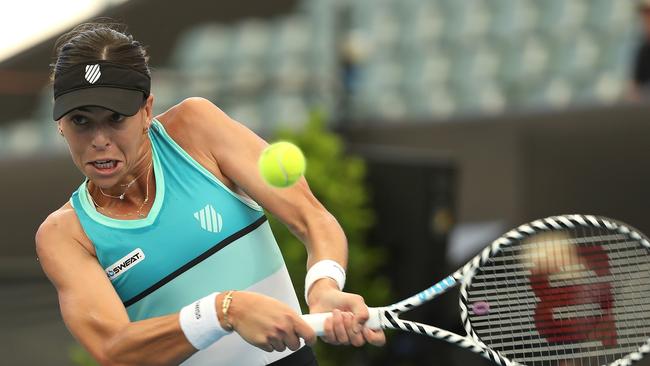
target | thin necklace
[
  {"x": 138, "y": 212},
  {"x": 128, "y": 185}
]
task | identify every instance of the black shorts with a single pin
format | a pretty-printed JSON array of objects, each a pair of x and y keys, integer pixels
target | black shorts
[{"x": 302, "y": 357}]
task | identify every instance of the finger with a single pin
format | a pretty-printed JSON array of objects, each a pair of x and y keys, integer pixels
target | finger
[
  {"x": 376, "y": 337},
  {"x": 359, "y": 320},
  {"x": 266, "y": 347},
  {"x": 330, "y": 327},
  {"x": 328, "y": 330},
  {"x": 339, "y": 327},
  {"x": 354, "y": 333},
  {"x": 292, "y": 341},
  {"x": 277, "y": 344},
  {"x": 360, "y": 309},
  {"x": 304, "y": 331}
]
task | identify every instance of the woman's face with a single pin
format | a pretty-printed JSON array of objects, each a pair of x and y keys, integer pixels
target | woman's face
[{"x": 105, "y": 145}]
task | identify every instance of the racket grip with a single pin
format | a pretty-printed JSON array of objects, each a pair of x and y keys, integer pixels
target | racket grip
[{"x": 317, "y": 321}]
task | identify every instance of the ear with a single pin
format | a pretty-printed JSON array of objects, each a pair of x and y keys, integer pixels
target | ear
[
  {"x": 59, "y": 127},
  {"x": 148, "y": 111}
]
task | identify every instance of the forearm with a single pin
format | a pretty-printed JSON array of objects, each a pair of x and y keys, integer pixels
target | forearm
[
  {"x": 325, "y": 242},
  {"x": 324, "y": 239},
  {"x": 156, "y": 341}
]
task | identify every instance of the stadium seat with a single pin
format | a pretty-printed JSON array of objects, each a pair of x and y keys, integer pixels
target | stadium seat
[
  {"x": 201, "y": 55},
  {"x": 512, "y": 19},
  {"x": 431, "y": 102},
  {"x": 412, "y": 57},
  {"x": 422, "y": 22},
  {"x": 284, "y": 110},
  {"x": 247, "y": 112}
]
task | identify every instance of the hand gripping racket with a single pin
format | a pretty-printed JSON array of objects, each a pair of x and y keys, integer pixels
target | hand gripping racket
[{"x": 564, "y": 290}]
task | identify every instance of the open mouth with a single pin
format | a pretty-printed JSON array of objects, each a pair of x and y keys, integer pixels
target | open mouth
[{"x": 105, "y": 166}]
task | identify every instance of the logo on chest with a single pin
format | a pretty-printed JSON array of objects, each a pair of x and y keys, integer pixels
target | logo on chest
[
  {"x": 209, "y": 219},
  {"x": 127, "y": 262}
]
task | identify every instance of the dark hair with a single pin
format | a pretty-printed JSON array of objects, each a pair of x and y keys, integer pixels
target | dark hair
[{"x": 102, "y": 39}]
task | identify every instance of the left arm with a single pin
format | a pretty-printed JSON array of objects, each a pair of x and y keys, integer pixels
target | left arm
[{"x": 236, "y": 150}]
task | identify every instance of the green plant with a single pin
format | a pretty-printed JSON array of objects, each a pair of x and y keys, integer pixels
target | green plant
[
  {"x": 337, "y": 180},
  {"x": 80, "y": 357}
]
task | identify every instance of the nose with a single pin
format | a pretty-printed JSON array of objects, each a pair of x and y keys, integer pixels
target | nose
[
  {"x": 100, "y": 139},
  {"x": 100, "y": 145}
]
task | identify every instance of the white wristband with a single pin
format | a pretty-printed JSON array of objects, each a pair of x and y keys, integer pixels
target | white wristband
[
  {"x": 200, "y": 323},
  {"x": 326, "y": 268}
]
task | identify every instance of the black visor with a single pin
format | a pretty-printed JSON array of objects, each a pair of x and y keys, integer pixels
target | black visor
[{"x": 115, "y": 87}]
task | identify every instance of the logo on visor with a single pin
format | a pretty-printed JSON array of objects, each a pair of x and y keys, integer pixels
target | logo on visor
[{"x": 92, "y": 73}]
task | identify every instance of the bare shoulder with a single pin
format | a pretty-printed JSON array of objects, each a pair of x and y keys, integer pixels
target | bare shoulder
[
  {"x": 55, "y": 225},
  {"x": 60, "y": 232},
  {"x": 194, "y": 118},
  {"x": 207, "y": 134}
]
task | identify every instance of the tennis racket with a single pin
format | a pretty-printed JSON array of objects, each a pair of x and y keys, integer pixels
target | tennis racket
[{"x": 564, "y": 290}]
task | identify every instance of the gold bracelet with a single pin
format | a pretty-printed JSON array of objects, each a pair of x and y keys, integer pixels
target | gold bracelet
[{"x": 225, "y": 305}]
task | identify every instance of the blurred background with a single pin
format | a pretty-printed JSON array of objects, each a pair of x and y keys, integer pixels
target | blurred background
[{"x": 431, "y": 126}]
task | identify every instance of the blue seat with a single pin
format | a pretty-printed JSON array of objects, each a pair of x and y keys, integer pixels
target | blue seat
[
  {"x": 513, "y": 19},
  {"x": 284, "y": 110},
  {"x": 575, "y": 57},
  {"x": 427, "y": 67},
  {"x": 607, "y": 14},
  {"x": 248, "y": 112},
  {"x": 468, "y": 19},
  {"x": 422, "y": 24},
  {"x": 524, "y": 60},
  {"x": 204, "y": 47},
  {"x": 202, "y": 58},
  {"x": 426, "y": 102},
  {"x": 250, "y": 39},
  {"x": 379, "y": 20},
  {"x": 164, "y": 87}
]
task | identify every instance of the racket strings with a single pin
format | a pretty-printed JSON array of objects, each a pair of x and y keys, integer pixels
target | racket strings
[
  {"x": 578, "y": 297},
  {"x": 641, "y": 303}
]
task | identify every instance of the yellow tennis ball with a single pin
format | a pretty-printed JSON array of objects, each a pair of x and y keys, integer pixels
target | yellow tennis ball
[{"x": 282, "y": 164}]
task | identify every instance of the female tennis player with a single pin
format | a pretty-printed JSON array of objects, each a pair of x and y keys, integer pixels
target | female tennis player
[{"x": 163, "y": 255}]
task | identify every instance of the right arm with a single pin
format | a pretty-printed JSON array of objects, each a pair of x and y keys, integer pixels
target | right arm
[{"x": 95, "y": 315}]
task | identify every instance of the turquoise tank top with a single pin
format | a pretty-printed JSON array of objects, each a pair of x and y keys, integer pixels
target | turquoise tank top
[{"x": 199, "y": 237}]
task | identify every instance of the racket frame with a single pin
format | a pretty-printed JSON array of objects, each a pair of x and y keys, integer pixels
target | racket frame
[{"x": 388, "y": 317}]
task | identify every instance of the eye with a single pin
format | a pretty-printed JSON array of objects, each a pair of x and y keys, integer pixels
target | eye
[
  {"x": 116, "y": 117},
  {"x": 79, "y": 120}
]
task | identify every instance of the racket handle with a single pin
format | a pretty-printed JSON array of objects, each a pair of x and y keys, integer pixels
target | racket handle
[{"x": 317, "y": 321}]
